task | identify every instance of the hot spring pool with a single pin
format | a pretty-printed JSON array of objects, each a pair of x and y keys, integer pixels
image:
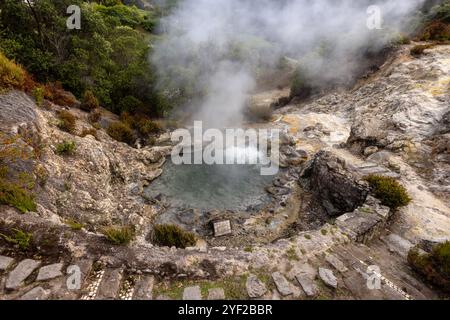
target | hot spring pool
[{"x": 207, "y": 187}]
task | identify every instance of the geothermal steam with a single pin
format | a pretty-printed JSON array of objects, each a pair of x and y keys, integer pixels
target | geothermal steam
[{"x": 214, "y": 49}]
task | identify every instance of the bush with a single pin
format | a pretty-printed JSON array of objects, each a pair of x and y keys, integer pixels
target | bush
[
  {"x": 420, "y": 49},
  {"x": 91, "y": 132},
  {"x": 95, "y": 116},
  {"x": 66, "y": 148},
  {"x": 15, "y": 196},
  {"x": 434, "y": 266},
  {"x": 172, "y": 236},
  {"x": 121, "y": 132},
  {"x": 20, "y": 238},
  {"x": 74, "y": 225},
  {"x": 128, "y": 104},
  {"x": 67, "y": 121},
  {"x": 436, "y": 31},
  {"x": 55, "y": 93},
  {"x": 300, "y": 86},
  {"x": 119, "y": 235},
  {"x": 389, "y": 191},
  {"x": 11, "y": 74},
  {"x": 146, "y": 127},
  {"x": 260, "y": 112},
  {"x": 90, "y": 102},
  {"x": 38, "y": 94}
]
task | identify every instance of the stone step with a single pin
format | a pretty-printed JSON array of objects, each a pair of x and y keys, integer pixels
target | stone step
[
  {"x": 192, "y": 293},
  {"x": 110, "y": 284},
  {"x": 49, "y": 272},
  {"x": 282, "y": 284},
  {"x": 307, "y": 284},
  {"x": 144, "y": 288},
  {"x": 20, "y": 273}
]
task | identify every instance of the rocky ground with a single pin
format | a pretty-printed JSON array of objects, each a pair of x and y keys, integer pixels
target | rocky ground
[{"x": 326, "y": 239}]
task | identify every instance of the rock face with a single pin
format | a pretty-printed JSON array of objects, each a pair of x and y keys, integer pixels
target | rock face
[
  {"x": 335, "y": 187},
  {"x": 255, "y": 287},
  {"x": 20, "y": 273}
]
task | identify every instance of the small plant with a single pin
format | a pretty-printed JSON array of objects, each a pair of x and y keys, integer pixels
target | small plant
[
  {"x": 307, "y": 237},
  {"x": 324, "y": 232},
  {"x": 119, "y": 235},
  {"x": 20, "y": 238},
  {"x": 90, "y": 102},
  {"x": 74, "y": 225},
  {"x": 121, "y": 132},
  {"x": 55, "y": 93},
  {"x": 67, "y": 121},
  {"x": 434, "y": 266},
  {"x": 15, "y": 196},
  {"x": 66, "y": 148},
  {"x": 420, "y": 49},
  {"x": 90, "y": 132},
  {"x": 172, "y": 236},
  {"x": 11, "y": 74},
  {"x": 38, "y": 94},
  {"x": 248, "y": 249},
  {"x": 389, "y": 191},
  {"x": 146, "y": 127},
  {"x": 95, "y": 116},
  {"x": 292, "y": 254}
]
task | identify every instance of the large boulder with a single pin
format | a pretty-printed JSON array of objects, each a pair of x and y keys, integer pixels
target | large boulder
[{"x": 335, "y": 187}]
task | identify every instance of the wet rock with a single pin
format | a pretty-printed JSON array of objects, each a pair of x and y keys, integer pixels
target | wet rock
[
  {"x": 50, "y": 272},
  {"x": 20, "y": 273},
  {"x": 216, "y": 294},
  {"x": 336, "y": 188},
  {"x": 37, "y": 293},
  {"x": 328, "y": 277},
  {"x": 192, "y": 293},
  {"x": 5, "y": 262},
  {"x": 255, "y": 287},
  {"x": 282, "y": 284},
  {"x": 307, "y": 284}
]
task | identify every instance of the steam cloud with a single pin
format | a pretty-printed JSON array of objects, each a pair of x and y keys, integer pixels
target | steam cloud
[{"x": 218, "y": 47}]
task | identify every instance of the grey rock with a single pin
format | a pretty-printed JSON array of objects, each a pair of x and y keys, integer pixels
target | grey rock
[
  {"x": 255, "y": 287},
  {"x": 20, "y": 273},
  {"x": 370, "y": 150},
  {"x": 144, "y": 288},
  {"x": 192, "y": 293},
  {"x": 5, "y": 262},
  {"x": 216, "y": 294},
  {"x": 50, "y": 272},
  {"x": 307, "y": 284},
  {"x": 336, "y": 263},
  {"x": 398, "y": 244},
  {"x": 282, "y": 284},
  {"x": 222, "y": 228},
  {"x": 110, "y": 284},
  {"x": 328, "y": 277},
  {"x": 37, "y": 293},
  {"x": 336, "y": 188}
]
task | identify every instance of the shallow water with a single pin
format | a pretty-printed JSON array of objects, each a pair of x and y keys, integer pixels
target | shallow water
[{"x": 232, "y": 187}]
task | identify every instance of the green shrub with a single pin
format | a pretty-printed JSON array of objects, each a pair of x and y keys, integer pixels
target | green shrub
[
  {"x": 129, "y": 104},
  {"x": 95, "y": 116},
  {"x": 146, "y": 127},
  {"x": 420, "y": 49},
  {"x": 260, "y": 112},
  {"x": 38, "y": 94},
  {"x": 91, "y": 132},
  {"x": 15, "y": 196},
  {"x": 20, "y": 238},
  {"x": 67, "y": 121},
  {"x": 389, "y": 191},
  {"x": 436, "y": 31},
  {"x": 11, "y": 74},
  {"x": 300, "y": 86},
  {"x": 66, "y": 148},
  {"x": 74, "y": 225},
  {"x": 434, "y": 266},
  {"x": 119, "y": 235},
  {"x": 172, "y": 236},
  {"x": 121, "y": 132},
  {"x": 89, "y": 102}
]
